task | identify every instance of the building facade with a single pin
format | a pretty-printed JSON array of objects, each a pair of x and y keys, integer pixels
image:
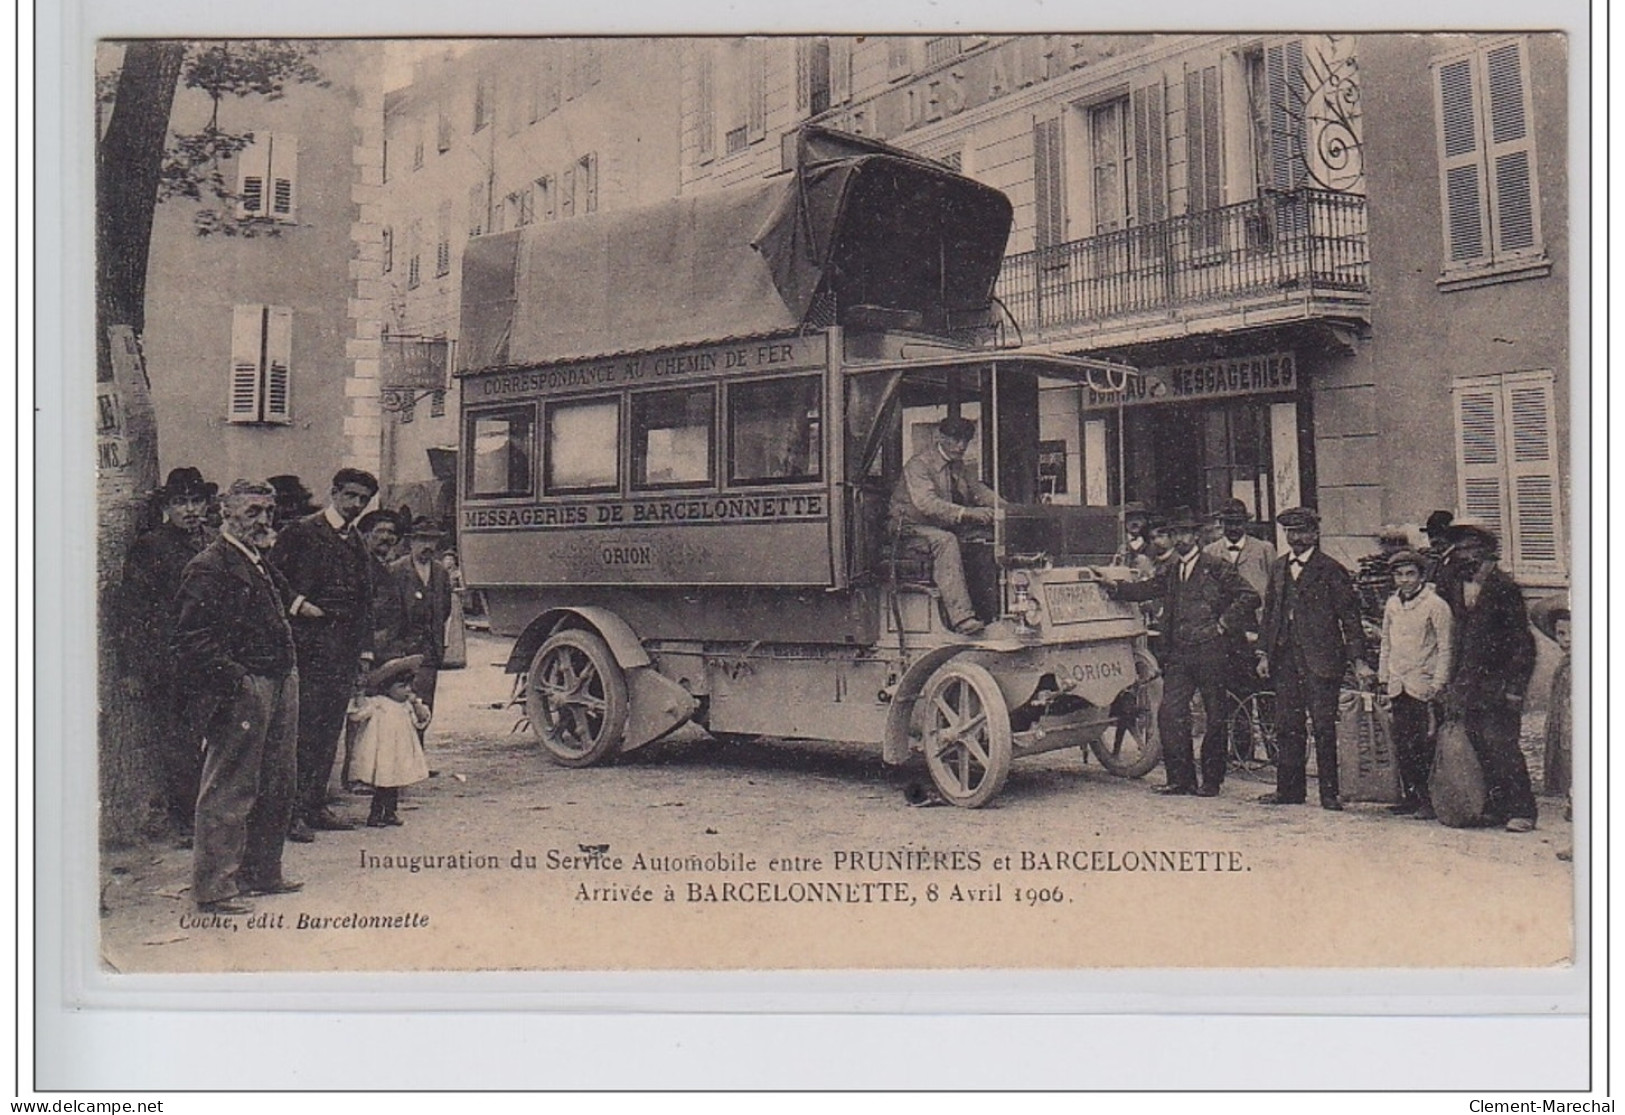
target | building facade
[
  {"x": 1343, "y": 259},
  {"x": 485, "y": 138},
  {"x": 249, "y": 340}
]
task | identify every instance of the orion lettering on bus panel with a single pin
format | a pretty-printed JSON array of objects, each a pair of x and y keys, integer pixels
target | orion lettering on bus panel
[
  {"x": 692, "y": 510},
  {"x": 1243, "y": 375},
  {"x": 783, "y": 354}
]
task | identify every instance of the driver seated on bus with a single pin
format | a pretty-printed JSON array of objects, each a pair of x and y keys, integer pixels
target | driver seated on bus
[{"x": 934, "y": 503}]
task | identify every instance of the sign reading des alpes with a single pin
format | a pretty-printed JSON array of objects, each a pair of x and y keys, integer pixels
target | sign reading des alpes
[{"x": 1242, "y": 375}]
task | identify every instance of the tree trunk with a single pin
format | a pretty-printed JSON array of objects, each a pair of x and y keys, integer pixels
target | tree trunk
[{"x": 128, "y": 161}]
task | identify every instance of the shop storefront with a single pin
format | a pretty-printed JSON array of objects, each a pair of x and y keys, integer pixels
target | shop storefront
[{"x": 1192, "y": 434}]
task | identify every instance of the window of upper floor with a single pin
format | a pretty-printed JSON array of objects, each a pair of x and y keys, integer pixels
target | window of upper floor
[{"x": 1489, "y": 192}]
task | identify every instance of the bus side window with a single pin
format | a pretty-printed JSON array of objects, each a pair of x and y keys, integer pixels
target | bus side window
[
  {"x": 584, "y": 446},
  {"x": 672, "y": 437},
  {"x": 501, "y": 444},
  {"x": 775, "y": 431}
]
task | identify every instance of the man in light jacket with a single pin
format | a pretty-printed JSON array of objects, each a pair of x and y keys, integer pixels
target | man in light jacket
[
  {"x": 1412, "y": 668},
  {"x": 933, "y": 502}
]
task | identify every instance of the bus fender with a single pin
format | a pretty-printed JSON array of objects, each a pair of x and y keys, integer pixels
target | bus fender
[
  {"x": 622, "y": 640},
  {"x": 896, "y": 746}
]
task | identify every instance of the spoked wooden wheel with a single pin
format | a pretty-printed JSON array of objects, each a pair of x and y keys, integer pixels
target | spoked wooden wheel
[
  {"x": 967, "y": 733},
  {"x": 1129, "y": 744},
  {"x": 575, "y": 697},
  {"x": 1252, "y": 735}
]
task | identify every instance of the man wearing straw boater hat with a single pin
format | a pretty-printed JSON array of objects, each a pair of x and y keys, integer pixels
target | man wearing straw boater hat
[{"x": 152, "y": 577}]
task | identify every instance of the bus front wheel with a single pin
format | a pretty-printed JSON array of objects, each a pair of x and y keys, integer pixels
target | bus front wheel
[{"x": 575, "y": 697}]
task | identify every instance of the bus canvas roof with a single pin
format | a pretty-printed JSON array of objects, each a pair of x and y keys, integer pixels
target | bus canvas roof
[{"x": 856, "y": 221}]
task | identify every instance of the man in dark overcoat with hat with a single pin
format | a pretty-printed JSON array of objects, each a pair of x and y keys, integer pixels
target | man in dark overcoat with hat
[
  {"x": 327, "y": 567},
  {"x": 234, "y": 650},
  {"x": 423, "y": 589},
  {"x": 1205, "y": 604},
  {"x": 152, "y": 577},
  {"x": 1495, "y": 658},
  {"x": 1309, "y": 636}
]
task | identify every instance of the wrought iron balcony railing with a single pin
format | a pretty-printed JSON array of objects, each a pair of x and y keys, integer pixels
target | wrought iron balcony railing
[{"x": 1282, "y": 246}]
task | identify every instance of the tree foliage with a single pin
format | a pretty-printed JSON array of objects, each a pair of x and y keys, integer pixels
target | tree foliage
[{"x": 193, "y": 162}]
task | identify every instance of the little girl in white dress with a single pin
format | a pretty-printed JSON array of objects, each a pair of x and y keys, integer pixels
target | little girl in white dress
[{"x": 389, "y": 751}]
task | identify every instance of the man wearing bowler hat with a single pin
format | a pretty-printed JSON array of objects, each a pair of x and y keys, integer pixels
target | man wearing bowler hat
[
  {"x": 1495, "y": 657},
  {"x": 1205, "y": 604},
  {"x": 1309, "y": 637},
  {"x": 152, "y": 577},
  {"x": 423, "y": 589}
]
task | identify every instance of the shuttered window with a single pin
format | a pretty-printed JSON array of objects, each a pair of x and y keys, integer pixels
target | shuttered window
[
  {"x": 1150, "y": 154},
  {"x": 840, "y": 70},
  {"x": 266, "y": 173},
  {"x": 442, "y": 240},
  {"x": 1204, "y": 176},
  {"x": 260, "y": 382},
  {"x": 755, "y": 89},
  {"x": 705, "y": 101},
  {"x": 1488, "y": 192},
  {"x": 1507, "y": 466},
  {"x": 1048, "y": 184}
]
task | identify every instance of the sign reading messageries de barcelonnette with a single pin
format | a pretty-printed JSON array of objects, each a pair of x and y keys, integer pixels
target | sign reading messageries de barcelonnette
[{"x": 1210, "y": 379}]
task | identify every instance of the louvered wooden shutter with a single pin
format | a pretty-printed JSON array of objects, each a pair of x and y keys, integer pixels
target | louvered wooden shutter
[
  {"x": 1536, "y": 504},
  {"x": 278, "y": 364},
  {"x": 1048, "y": 185},
  {"x": 253, "y": 177},
  {"x": 1150, "y": 154},
  {"x": 1463, "y": 193},
  {"x": 247, "y": 333},
  {"x": 1204, "y": 175},
  {"x": 705, "y": 95},
  {"x": 840, "y": 70},
  {"x": 1514, "y": 216},
  {"x": 1480, "y": 464},
  {"x": 1283, "y": 79},
  {"x": 284, "y": 176},
  {"x": 804, "y": 61},
  {"x": 756, "y": 89}
]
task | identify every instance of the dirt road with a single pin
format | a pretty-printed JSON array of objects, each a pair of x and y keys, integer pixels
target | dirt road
[{"x": 694, "y": 853}]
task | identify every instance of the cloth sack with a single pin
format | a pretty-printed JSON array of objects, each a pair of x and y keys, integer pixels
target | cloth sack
[
  {"x": 1367, "y": 768},
  {"x": 1457, "y": 782}
]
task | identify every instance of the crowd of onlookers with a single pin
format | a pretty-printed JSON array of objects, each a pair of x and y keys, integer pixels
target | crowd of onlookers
[
  {"x": 1439, "y": 633},
  {"x": 262, "y": 631}
]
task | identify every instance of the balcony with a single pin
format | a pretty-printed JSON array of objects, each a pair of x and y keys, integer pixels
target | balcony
[{"x": 1280, "y": 258}]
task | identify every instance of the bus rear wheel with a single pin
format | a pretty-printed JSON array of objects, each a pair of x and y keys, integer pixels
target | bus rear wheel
[
  {"x": 575, "y": 697},
  {"x": 967, "y": 733},
  {"x": 1129, "y": 745}
]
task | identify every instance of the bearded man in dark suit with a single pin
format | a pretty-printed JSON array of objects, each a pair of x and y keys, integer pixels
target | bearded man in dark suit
[
  {"x": 234, "y": 651},
  {"x": 1494, "y": 660},
  {"x": 329, "y": 572},
  {"x": 1308, "y": 638}
]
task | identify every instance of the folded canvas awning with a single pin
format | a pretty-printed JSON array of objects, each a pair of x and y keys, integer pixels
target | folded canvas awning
[{"x": 856, "y": 222}]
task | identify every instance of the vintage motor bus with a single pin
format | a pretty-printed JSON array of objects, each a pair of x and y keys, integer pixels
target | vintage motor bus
[{"x": 681, "y": 427}]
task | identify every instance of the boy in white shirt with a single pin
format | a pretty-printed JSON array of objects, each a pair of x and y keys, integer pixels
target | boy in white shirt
[{"x": 1412, "y": 670}]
